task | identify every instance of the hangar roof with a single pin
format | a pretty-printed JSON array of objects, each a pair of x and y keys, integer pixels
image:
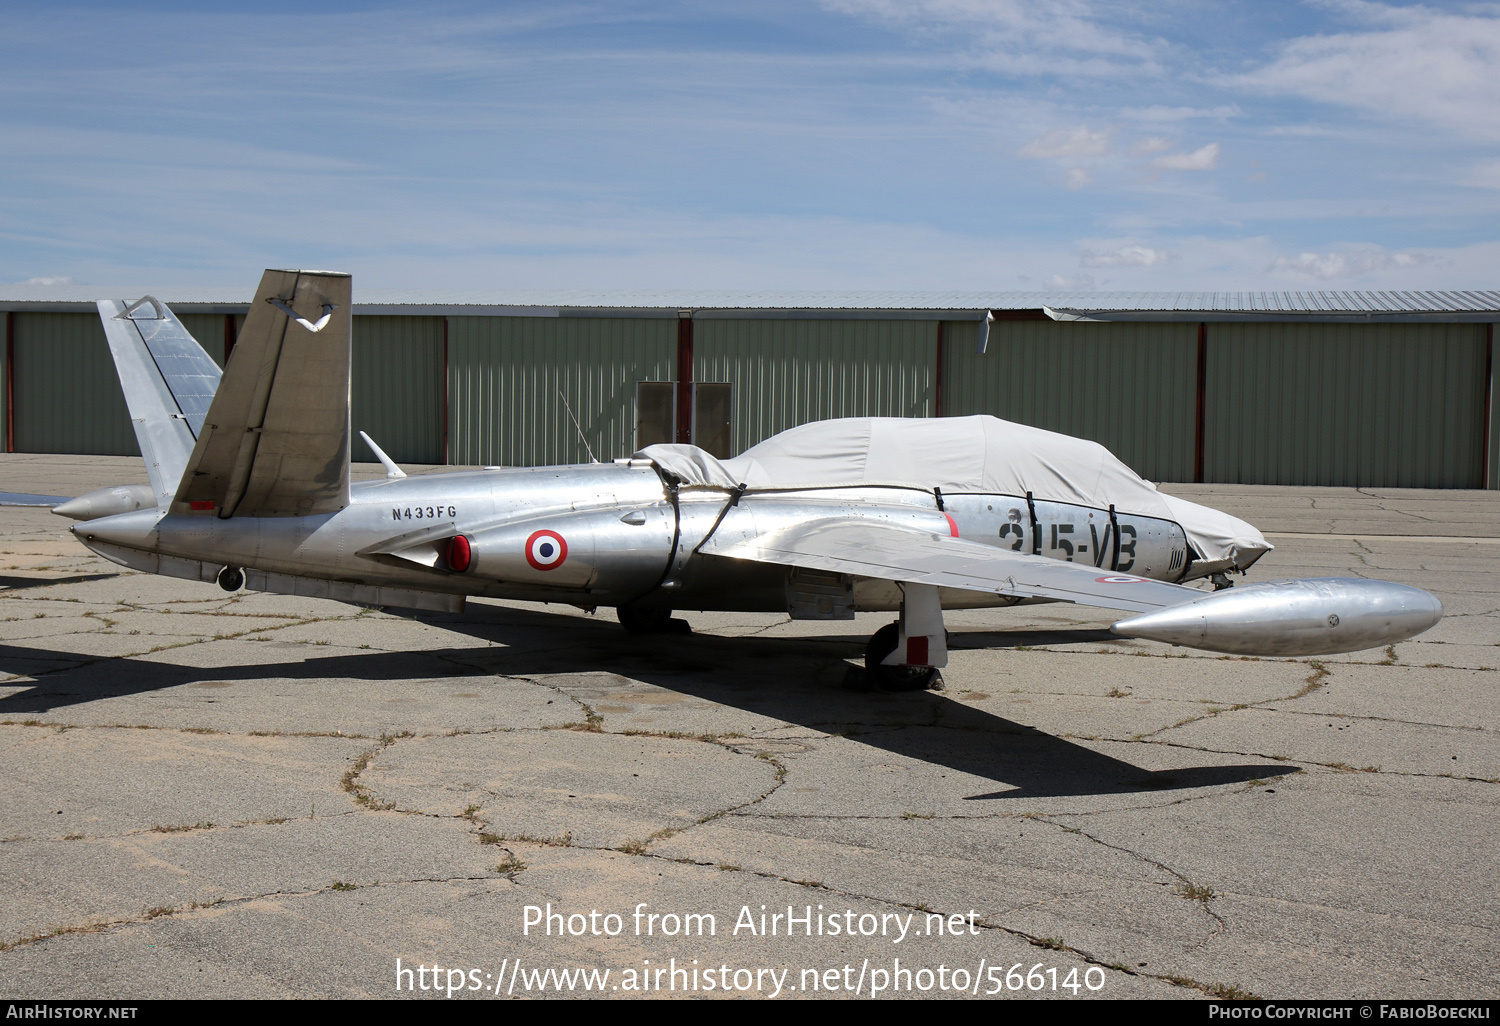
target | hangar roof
[{"x": 1481, "y": 305}]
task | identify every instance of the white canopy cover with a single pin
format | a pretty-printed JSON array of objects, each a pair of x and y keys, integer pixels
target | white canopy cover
[{"x": 978, "y": 454}]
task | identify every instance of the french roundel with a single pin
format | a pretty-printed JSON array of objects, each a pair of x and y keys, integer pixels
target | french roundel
[
  {"x": 546, "y": 550},
  {"x": 1121, "y": 580}
]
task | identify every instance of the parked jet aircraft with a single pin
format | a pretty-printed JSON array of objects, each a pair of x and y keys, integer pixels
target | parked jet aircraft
[{"x": 250, "y": 488}]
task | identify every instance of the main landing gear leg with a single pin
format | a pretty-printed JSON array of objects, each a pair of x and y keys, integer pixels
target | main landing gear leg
[{"x": 906, "y": 655}]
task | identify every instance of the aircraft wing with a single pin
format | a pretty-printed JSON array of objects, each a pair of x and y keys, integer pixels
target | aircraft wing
[
  {"x": 870, "y": 548},
  {"x": 27, "y": 499}
]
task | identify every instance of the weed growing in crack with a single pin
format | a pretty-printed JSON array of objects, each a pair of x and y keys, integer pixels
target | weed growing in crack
[
  {"x": 510, "y": 864},
  {"x": 564, "y": 840},
  {"x": 350, "y": 782},
  {"x": 1195, "y": 892},
  {"x": 1050, "y": 943},
  {"x": 341, "y": 886},
  {"x": 1315, "y": 679}
]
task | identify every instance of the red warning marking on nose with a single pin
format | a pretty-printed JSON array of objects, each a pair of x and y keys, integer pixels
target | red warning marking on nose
[
  {"x": 952, "y": 525},
  {"x": 546, "y": 550},
  {"x": 1121, "y": 580}
]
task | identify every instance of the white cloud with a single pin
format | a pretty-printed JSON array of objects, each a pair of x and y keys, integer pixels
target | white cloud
[
  {"x": 1150, "y": 144},
  {"x": 1486, "y": 176},
  {"x": 1068, "y": 143},
  {"x": 1204, "y": 158},
  {"x": 1081, "y": 282},
  {"x": 1159, "y": 113},
  {"x": 1078, "y": 177},
  {"x": 1349, "y": 264},
  {"x": 1412, "y": 62},
  {"x": 1125, "y": 256},
  {"x": 1024, "y": 38},
  {"x": 50, "y": 281}
]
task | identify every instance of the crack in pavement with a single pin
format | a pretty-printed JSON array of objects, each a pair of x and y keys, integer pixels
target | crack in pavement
[
  {"x": 1185, "y": 886},
  {"x": 1049, "y": 943},
  {"x": 167, "y": 912},
  {"x": 1336, "y": 767}
]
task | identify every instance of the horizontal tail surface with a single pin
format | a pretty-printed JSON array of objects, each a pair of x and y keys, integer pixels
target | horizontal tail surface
[{"x": 168, "y": 381}]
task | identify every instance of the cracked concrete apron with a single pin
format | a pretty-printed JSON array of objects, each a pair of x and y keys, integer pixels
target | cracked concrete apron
[{"x": 254, "y": 795}]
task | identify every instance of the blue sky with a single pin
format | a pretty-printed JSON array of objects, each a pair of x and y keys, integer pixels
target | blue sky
[{"x": 842, "y": 144}]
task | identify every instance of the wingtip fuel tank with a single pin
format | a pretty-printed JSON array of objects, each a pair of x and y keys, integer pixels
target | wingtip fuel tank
[{"x": 1316, "y": 616}]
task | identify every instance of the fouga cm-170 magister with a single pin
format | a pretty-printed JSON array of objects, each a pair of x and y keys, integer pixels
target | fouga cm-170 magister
[{"x": 250, "y": 488}]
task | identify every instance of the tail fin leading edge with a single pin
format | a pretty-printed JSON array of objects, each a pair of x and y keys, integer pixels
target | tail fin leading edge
[
  {"x": 275, "y": 440},
  {"x": 168, "y": 381}
]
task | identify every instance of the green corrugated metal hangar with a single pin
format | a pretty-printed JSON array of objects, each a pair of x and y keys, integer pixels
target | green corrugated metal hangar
[{"x": 1314, "y": 388}]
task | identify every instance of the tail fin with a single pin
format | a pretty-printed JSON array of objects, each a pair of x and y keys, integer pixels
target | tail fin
[
  {"x": 168, "y": 381},
  {"x": 275, "y": 441}
]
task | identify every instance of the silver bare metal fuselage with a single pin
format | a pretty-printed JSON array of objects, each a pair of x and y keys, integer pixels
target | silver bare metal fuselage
[{"x": 625, "y": 536}]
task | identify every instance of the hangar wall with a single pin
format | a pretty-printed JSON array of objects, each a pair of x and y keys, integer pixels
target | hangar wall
[
  {"x": 63, "y": 394},
  {"x": 1388, "y": 405},
  {"x": 1130, "y": 386},
  {"x": 1256, "y": 402},
  {"x": 790, "y": 372},
  {"x": 396, "y": 373},
  {"x": 507, "y": 377}
]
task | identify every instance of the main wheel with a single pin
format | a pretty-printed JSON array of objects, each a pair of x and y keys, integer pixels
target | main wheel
[
  {"x": 649, "y": 620},
  {"x": 231, "y": 578},
  {"x": 894, "y": 678}
]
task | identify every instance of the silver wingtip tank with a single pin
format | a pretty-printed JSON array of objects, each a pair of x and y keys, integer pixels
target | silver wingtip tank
[{"x": 1318, "y": 616}]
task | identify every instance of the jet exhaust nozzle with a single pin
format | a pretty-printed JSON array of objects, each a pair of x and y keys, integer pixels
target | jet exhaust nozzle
[{"x": 1317, "y": 616}]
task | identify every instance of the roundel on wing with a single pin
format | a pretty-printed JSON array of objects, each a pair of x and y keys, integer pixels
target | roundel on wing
[
  {"x": 1121, "y": 579},
  {"x": 546, "y": 550}
]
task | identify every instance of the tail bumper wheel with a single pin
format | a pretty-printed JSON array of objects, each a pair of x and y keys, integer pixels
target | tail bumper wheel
[{"x": 231, "y": 578}]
